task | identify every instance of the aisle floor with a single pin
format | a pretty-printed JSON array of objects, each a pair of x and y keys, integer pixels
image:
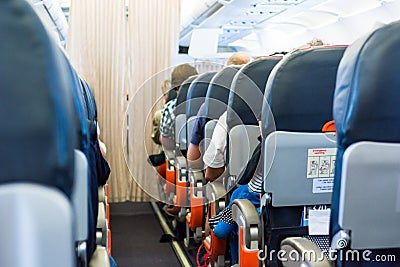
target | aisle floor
[{"x": 135, "y": 237}]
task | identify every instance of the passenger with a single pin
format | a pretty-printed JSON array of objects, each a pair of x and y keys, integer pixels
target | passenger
[
  {"x": 155, "y": 134},
  {"x": 103, "y": 147},
  {"x": 167, "y": 128},
  {"x": 159, "y": 159},
  {"x": 194, "y": 158},
  {"x": 252, "y": 179},
  {"x": 194, "y": 154},
  {"x": 238, "y": 58},
  {"x": 315, "y": 42},
  {"x": 214, "y": 157}
]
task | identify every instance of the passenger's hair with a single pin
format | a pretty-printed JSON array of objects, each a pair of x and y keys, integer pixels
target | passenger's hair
[
  {"x": 180, "y": 74},
  {"x": 315, "y": 42},
  {"x": 165, "y": 86},
  {"x": 278, "y": 53},
  {"x": 238, "y": 58},
  {"x": 171, "y": 95}
]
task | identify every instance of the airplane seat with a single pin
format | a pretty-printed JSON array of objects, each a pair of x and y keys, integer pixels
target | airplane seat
[
  {"x": 217, "y": 197},
  {"x": 180, "y": 140},
  {"x": 98, "y": 171},
  {"x": 85, "y": 195},
  {"x": 178, "y": 178},
  {"x": 367, "y": 116},
  {"x": 195, "y": 98},
  {"x": 216, "y": 101},
  {"x": 180, "y": 113},
  {"x": 244, "y": 105},
  {"x": 299, "y": 95},
  {"x": 38, "y": 137},
  {"x": 215, "y": 105}
]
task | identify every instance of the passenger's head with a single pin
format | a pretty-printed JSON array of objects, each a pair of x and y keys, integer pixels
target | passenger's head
[
  {"x": 165, "y": 87},
  {"x": 315, "y": 42},
  {"x": 180, "y": 74},
  {"x": 238, "y": 58}
]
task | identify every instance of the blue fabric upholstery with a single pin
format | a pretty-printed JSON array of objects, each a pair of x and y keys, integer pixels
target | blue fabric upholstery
[
  {"x": 197, "y": 93},
  {"x": 300, "y": 90},
  {"x": 218, "y": 92},
  {"x": 182, "y": 95},
  {"x": 299, "y": 93},
  {"x": 37, "y": 116},
  {"x": 247, "y": 90},
  {"x": 366, "y": 105}
]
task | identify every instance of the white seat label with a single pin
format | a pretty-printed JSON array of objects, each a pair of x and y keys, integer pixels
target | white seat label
[{"x": 318, "y": 222}]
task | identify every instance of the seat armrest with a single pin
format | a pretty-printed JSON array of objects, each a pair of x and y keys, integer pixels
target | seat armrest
[
  {"x": 307, "y": 253},
  {"x": 100, "y": 258},
  {"x": 180, "y": 161},
  {"x": 215, "y": 191},
  {"x": 101, "y": 226},
  {"x": 244, "y": 213},
  {"x": 246, "y": 216},
  {"x": 102, "y": 194},
  {"x": 169, "y": 154}
]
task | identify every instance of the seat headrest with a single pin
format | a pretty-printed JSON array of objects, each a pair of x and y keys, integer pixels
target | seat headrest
[
  {"x": 300, "y": 90},
  {"x": 367, "y": 95},
  {"x": 197, "y": 93},
  {"x": 218, "y": 92},
  {"x": 182, "y": 95},
  {"x": 247, "y": 92},
  {"x": 37, "y": 116}
]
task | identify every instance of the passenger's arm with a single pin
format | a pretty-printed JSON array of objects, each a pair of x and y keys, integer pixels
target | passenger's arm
[
  {"x": 213, "y": 174},
  {"x": 194, "y": 158},
  {"x": 214, "y": 156}
]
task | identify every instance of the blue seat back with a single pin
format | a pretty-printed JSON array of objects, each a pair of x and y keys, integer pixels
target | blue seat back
[
  {"x": 37, "y": 115},
  {"x": 218, "y": 92},
  {"x": 366, "y": 102},
  {"x": 300, "y": 90},
  {"x": 182, "y": 96},
  {"x": 246, "y": 97}
]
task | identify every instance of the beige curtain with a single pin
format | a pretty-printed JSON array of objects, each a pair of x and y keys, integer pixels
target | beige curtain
[
  {"x": 153, "y": 27},
  {"x": 116, "y": 48}
]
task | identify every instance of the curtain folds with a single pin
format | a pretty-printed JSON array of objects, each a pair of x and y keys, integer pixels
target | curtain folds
[{"x": 117, "y": 47}]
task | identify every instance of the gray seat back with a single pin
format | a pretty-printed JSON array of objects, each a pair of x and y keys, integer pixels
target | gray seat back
[
  {"x": 242, "y": 142},
  {"x": 299, "y": 168},
  {"x": 369, "y": 204},
  {"x": 80, "y": 196},
  {"x": 37, "y": 231},
  {"x": 180, "y": 131},
  {"x": 208, "y": 130}
]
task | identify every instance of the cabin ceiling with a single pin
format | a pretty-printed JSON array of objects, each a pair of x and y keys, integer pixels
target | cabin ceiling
[
  {"x": 262, "y": 25},
  {"x": 243, "y": 22},
  {"x": 236, "y": 18}
]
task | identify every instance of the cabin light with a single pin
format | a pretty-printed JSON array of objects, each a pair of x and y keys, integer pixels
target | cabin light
[{"x": 278, "y": 2}]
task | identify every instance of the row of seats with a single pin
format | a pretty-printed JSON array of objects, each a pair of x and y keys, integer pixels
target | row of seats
[
  {"x": 50, "y": 156},
  {"x": 305, "y": 171}
]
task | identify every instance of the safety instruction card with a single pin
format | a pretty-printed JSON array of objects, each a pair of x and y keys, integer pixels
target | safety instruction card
[{"x": 321, "y": 168}]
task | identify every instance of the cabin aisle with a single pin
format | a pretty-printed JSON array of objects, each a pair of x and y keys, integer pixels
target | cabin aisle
[{"x": 136, "y": 234}]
